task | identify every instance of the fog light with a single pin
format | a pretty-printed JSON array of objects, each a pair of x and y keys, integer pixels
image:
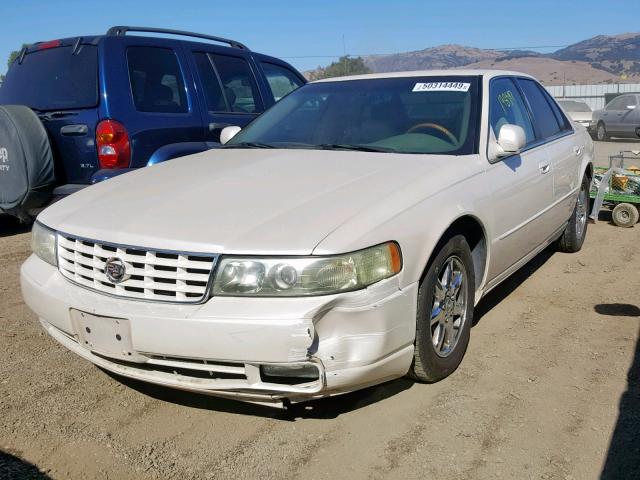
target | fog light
[{"x": 291, "y": 371}]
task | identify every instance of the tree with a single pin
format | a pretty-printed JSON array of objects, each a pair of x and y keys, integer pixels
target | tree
[
  {"x": 12, "y": 56},
  {"x": 344, "y": 66}
]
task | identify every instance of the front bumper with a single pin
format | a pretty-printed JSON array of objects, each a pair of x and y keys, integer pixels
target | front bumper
[{"x": 354, "y": 339}]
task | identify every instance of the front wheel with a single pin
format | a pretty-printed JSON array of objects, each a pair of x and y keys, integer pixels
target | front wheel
[
  {"x": 601, "y": 132},
  {"x": 445, "y": 312},
  {"x": 576, "y": 230}
]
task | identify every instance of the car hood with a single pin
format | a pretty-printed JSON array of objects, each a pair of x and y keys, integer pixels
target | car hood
[{"x": 245, "y": 200}]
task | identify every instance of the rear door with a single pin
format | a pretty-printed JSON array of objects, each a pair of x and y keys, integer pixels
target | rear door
[
  {"x": 229, "y": 90},
  {"x": 563, "y": 146},
  {"x": 149, "y": 88},
  {"x": 59, "y": 81}
]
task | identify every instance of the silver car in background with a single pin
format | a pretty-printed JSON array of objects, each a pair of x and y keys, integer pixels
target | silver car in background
[
  {"x": 579, "y": 112},
  {"x": 619, "y": 118}
]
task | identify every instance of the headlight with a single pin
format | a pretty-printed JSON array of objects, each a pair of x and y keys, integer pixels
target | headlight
[
  {"x": 43, "y": 243},
  {"x": 304, "y": 276}
]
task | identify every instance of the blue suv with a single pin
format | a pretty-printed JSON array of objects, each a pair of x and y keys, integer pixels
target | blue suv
[{"x": 80, "y": 110}]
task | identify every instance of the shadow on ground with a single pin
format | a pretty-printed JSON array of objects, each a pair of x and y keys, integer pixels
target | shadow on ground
[
  {"x": 325, "y": 408},
  {"x": 623, "y": 457},
  {"x": 13, "y": 468},
  {"x": 12, "y": 226},
  {"x": 506, "y": 288}
]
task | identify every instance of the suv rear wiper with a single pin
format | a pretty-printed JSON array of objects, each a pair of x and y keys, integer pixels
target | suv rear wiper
[
  {"x": 249, "y": 145},
  {"x": 55, "y": 115},
  {"x": 357, "y": 148}
]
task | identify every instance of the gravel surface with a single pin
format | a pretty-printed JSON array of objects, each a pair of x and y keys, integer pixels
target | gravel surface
[{"x": 549, "y": 389}]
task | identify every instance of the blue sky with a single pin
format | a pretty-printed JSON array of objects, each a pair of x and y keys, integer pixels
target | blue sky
[{"x": 291, "y": 29}]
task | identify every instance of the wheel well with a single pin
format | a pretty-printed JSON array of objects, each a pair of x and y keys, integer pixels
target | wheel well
[
  {"x": 471, "y": 228},
  {"x": 589, "y": 171}
]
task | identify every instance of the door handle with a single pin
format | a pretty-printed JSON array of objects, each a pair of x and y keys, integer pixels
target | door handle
[
  {"x": 218, "y": 125},
  {"x": 577, "y": 151},
  {"x": 545, "y": 167}
]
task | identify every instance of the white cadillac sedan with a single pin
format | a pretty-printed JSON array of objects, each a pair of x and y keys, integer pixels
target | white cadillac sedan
[{"x": 340, "y": 240}]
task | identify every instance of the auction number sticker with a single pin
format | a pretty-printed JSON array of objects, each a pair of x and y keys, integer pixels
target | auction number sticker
[{"x": 441, "y": 87}]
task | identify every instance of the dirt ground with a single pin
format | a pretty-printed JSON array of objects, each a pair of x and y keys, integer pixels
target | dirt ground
[{"x": 549, "y": 389}]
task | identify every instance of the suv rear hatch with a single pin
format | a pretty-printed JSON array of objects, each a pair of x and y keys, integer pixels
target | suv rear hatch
[{"x": 58, "y": 80}]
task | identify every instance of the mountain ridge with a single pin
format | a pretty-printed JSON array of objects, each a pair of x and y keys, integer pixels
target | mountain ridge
[{"x": 599, "y": 59}]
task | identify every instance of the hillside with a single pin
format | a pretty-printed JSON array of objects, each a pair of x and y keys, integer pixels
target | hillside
[
  {"x": 550, "y": 71},
  {"x": 601, "y": 59},
  {"x": 444, "y": 56}
]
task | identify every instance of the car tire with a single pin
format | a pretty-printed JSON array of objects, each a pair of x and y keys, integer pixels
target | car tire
[
  {"x": 576, "y": 230},
  {"x": 601, "y": 132},
  {"x": 445, "y": 312},
  {"x": 625, "y": 215}
]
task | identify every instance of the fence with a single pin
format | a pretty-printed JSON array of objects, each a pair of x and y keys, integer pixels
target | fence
[{"x": 592, "y": 95}]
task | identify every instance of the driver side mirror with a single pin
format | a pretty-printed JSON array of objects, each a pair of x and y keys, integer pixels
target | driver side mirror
[
  {"x": 631, "y": 107},
  {"x": 228, "y": 133},
  {"x": 511, "y": 140}
]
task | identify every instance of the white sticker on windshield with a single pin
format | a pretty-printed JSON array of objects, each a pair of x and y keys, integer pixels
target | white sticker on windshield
[{"x": 441, "y": 87}]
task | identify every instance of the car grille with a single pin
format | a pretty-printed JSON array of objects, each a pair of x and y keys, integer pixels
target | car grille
[{"x": 150, "y": 275}]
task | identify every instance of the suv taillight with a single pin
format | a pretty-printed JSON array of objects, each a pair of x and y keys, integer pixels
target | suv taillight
[{"x": 112, "y": 141}]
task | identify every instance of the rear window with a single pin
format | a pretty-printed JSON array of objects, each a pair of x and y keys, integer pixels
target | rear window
[
  {"x": 54, "y": 79},
  {"x": 543, "y": 115}
]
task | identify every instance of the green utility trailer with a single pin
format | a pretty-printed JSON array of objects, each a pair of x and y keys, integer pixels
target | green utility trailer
[{"x": 618, "y": 187}]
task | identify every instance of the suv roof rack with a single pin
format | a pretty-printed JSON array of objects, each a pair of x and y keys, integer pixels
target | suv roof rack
[{"x": 122, "y": 30}]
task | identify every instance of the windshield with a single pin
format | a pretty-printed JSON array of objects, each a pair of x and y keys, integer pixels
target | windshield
[
  {"x": 404, "y": 115},
  {"x": 571, "y": 106},
  {"x": 53, "y": 79}
]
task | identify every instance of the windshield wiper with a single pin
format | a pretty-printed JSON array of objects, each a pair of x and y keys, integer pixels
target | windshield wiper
[
  {"x": 356, "y": 148},
  {"x": 249, "y": 145}
]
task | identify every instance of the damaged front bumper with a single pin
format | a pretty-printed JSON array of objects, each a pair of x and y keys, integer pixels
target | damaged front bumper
[{"x": 263, "y": 350}]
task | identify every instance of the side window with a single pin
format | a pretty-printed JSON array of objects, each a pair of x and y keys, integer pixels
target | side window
[
  {"x": 507, "y": 107},
  {"x": 238, "y": 84},
  {"x": 156, "y": 80},
  {"x": 281, "y": 80},
  {"x": 562, "y": 119},
  {"x": 543, "y": 115},
  {"x": 210, "y": 84}
]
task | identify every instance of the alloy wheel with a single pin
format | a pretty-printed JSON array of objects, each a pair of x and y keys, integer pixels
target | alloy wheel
[{"x": 449, "y": 310}]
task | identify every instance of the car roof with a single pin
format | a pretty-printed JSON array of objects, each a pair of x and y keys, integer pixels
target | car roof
[{"x": 428, "y": 73}]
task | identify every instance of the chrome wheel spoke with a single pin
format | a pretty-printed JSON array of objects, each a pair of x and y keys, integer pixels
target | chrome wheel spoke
[
  {"x": 458, "y": 308},
  {"x": 456, "y": 283},
  {"x": 439, "y": 293},
  {"x": 446, "y": 276},
  {"x": 437, "y": 315}
]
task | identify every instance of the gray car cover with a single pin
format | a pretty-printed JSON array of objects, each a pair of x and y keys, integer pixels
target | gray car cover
[{"x": 26, "y": 162}]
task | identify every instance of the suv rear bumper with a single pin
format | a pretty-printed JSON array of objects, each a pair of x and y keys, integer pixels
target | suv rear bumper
[{"x": 220, "y": 347}]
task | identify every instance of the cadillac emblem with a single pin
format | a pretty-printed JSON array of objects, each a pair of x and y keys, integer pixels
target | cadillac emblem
[{"x": 115, "y": 270}]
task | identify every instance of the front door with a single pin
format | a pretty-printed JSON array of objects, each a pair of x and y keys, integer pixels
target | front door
[{"x": 521, "y": 185}]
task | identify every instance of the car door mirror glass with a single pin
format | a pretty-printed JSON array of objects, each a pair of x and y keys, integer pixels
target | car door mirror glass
[
  {"x": 228, "y": 133},
  {"x": 511, "y": 140},
  {"x": 630, "y": 107}
]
